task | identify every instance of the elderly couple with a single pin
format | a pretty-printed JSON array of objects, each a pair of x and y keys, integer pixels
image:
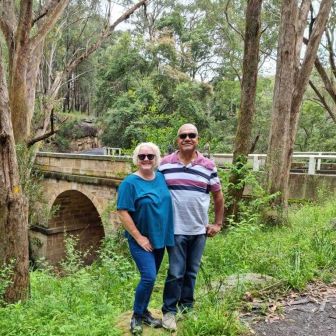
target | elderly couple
[{"x": 165, "y": 205}]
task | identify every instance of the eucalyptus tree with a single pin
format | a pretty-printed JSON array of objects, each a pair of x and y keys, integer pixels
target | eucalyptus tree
[
  {"x": 25, "y": 25},
  {"x": 24, "y": 31},
  {"x": 291, "y": 80},
  {"x": 325, "y": 65},
  {"x": 242, "y": 145}
]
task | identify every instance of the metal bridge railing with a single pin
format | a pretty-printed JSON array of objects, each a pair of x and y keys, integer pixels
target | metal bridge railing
[
  {"x": 113, "y": 151},
  {"x": 312, "y": 161}
]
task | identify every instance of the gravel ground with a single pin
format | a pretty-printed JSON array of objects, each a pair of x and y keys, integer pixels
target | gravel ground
[{"x": 310, "y": 314}]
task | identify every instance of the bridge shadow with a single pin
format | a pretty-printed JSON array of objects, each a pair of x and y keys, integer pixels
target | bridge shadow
[{"x": 75, "y": 215}]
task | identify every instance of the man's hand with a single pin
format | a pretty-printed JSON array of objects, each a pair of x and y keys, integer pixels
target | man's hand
[{"x": 212, "y": 229}]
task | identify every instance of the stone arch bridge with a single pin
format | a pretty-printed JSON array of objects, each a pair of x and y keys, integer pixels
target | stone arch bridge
[{"x": 81, "y": 190}]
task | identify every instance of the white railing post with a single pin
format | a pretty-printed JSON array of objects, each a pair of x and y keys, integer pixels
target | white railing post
[
  {"x": 319, "y": 162},
  {"x": 112, "y": 151},
  {"x": 256, "y": 163},
  {"x": 311, "y": 166}
]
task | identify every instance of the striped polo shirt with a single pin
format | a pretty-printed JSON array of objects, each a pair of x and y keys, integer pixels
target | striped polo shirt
[{"x": 190, "y": 186}]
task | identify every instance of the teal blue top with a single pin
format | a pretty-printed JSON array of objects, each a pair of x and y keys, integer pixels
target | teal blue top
[{"x": 150, "y": 206}]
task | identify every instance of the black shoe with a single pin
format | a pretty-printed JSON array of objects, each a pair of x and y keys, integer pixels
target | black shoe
[
  {"x": 148, "y": 319},
  {"x": 136, "y": 325}
]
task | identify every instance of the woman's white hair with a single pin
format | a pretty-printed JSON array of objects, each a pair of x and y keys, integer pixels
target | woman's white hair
[{"x": 155, "y": 149}]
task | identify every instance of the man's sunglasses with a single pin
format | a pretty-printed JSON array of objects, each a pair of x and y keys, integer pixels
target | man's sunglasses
[
  {"x": 183, "y": 136},
  {"x": 150, "y": 157}
]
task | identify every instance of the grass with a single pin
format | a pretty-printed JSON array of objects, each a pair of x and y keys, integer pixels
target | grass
[
  {"x": 92, "y": 300},
  {"x": 294, "y": 254}
]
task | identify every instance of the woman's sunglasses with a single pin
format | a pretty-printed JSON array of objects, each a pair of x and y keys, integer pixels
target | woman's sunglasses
[
  {"x": 183, "y": 136},
  {"x": 150, "y": 157}
]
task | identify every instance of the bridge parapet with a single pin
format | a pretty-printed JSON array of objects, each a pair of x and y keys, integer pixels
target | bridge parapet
[{"x": 84, "y": 164}]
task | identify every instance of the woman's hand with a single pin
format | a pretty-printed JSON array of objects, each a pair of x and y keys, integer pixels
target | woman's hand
[
  {"x": 133, "y": 231},
  {"x": 145, "y": 243}
]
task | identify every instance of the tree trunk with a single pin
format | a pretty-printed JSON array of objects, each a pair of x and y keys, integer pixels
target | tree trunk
[
  {"x": 277, "y": 179},
  {"x": 242, "y": 144},
  {"x": 290, "y": 83},
  {"x": 302, "y": 79},
  {"x": 13, "y": 206},
  {"x": 25, "y": 39}
]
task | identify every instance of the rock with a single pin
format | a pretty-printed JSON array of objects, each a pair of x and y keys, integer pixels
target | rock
[
  {"x": 241, "y": 280},
  {"x": 248, "y": 278}
]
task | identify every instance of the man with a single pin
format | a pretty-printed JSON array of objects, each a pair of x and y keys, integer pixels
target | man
[{"x": 190, "y": 178}]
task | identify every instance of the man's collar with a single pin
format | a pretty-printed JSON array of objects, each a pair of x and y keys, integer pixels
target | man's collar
[{"x": 199, "y": 158}]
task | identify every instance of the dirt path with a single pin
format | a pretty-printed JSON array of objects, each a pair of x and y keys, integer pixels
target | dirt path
[{"x": 312, "y": 313}]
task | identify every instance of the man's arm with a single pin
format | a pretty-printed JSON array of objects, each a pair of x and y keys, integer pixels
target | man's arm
[{"x": 213, "y": 229}]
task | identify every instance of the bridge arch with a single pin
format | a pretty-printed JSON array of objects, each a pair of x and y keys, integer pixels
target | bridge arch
[
  {"x": 75, "y": 214},
  {"x": 54, "y": 192}
]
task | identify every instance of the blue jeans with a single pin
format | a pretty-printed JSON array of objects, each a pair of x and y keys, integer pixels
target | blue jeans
[
  {"x": 184, "y": 262},
  {"x": 148, "y": 264}
]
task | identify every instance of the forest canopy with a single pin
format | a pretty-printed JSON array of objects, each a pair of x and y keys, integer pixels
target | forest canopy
[{"x": 178, "y": 61}]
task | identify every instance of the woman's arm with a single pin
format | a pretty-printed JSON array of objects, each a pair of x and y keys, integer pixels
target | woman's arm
[{"x": 129, "y": 225}]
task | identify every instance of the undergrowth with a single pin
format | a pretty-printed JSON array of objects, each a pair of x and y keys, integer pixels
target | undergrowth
[{"x": 88, "y": 300}]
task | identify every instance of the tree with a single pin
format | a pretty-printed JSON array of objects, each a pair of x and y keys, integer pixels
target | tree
[
  {"x": 290, "y": 83},
  {"x": 24, "y": 35},
  {"x": 242, "y": 145},
  {"x": 25, "y": 25},
  {"x": 78, "y": 27},
  {"x": 143, "y": 101},
  {"x": 325, "y": 65},
  {"x": 13, "y": 203}
]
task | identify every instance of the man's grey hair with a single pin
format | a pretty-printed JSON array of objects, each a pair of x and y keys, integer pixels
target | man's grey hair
[
  {"x": 187, "y": 125},
  {"x": 155, "y": 149}
]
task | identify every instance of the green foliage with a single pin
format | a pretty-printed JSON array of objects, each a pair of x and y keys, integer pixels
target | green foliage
[
  {"x": 115, "y": 265},
  {"x": 151, "y": 104},
  {"x": 73, "y": 129},
  {"x": 224, "y": 319},
  {"x": 315, "y": 132},
  {"x": 74, "y": 259},
  {"x": 188, "y": 58},
  {"x": 123, "y": 67},
  {"x": 251, "y": 209},
  {"x": 84, "y": 300},
  {"x": 29, "y": 176},
  {"x": 30, "y": 179},
  {"x": 6, "y": 272},
  {"x": 295, "y": 254},
  {"x": 105, "y": 216},
  {"x": 92, "y": 297}
]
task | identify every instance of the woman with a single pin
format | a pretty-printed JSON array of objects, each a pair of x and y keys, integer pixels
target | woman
[{"x": 145, "y": 209}]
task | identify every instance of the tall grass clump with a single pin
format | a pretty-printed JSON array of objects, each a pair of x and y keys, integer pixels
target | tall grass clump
[
  {"x": 84, "y": 300},
  {"x": 214, "y": 317},
  {"x": 296, "y": 253}
]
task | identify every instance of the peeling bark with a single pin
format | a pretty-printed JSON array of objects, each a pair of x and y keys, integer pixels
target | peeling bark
[
  {"x": 13, "y": 205},
  {"x": 242, "y": 144},
  {"x": 290, "y": 84},
  {"x": 16, "y": 111}
]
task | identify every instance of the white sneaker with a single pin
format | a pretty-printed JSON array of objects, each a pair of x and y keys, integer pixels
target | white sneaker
[{"x": 169, "y": 321}]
